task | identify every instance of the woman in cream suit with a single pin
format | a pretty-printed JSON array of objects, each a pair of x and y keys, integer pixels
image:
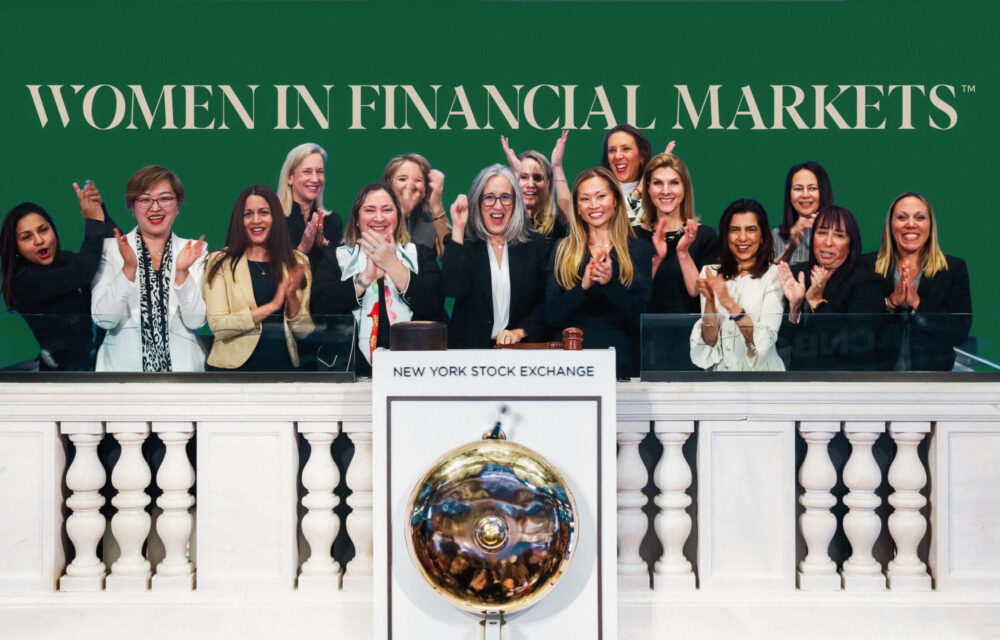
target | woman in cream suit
[
  {"x": 147, "y": 290},
  {"x": 257, "y": 289}
]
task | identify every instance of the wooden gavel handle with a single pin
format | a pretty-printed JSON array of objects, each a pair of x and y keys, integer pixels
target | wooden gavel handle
[{"x": 572, "y": 341}]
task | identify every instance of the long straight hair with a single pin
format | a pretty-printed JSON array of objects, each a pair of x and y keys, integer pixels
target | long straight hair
[
  {"x": 825, "y": 194},
  {"x": 932, "y": 258},
  {"x": 728, "y": 266},
  {"x": 280, "y": 252},
  {"x": 10, "y": 260},
  {"x": 573, "y": 248}
]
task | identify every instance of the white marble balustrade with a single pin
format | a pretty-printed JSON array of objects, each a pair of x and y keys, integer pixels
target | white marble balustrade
[{"x": 726, "y": 511}]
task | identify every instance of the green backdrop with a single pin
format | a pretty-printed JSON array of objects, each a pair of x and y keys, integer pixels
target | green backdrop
[{"x": 654, "y": 46}]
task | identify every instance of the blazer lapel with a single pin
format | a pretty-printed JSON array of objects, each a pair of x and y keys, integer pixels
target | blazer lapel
[
  {"x": 479, "y": 264},
  {"x": 244, "y": 282}
]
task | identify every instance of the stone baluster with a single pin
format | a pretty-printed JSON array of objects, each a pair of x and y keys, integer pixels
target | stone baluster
[
  {"x": 673, "y": 523},
  {"x": 175, "y": 477},
  {"x": 130, "y": 525},
  {"x": 633, "y": 573},
  {"x": 906, "y": 524},
  {"x": 818, "y": 572},
  {"x": 85, "y": 525},
  {"x": 358, "y": 575},
  {"x": 320, "y": 525},
  {"x": 861, "y": 524}
]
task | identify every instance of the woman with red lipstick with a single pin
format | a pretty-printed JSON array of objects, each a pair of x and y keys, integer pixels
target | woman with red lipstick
[
  {"x": 834, "y": 300},
  {"x": 494, "y": 266},
  {"x": 50, "y": 287},
  {"x": 807, "y": 190},
  {"x": 147, "y": 289},
  {"x": 599, "y": 278},
  {"x": 257, "y": 289},
  {"x": 419, "y": 190},
  {"x": 378, "y": 275},
  {"x": 740, "y": 297},
  {"x": 300, "y": 191},
  {"x": 625, "y": 154},
  {"x": 924, "y": 287},
  {"x": 544, "y": 187}
]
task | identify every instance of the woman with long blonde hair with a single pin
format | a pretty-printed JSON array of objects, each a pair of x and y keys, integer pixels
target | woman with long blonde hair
[
  {"x": 926, "y": 288},
  {"x": 600, "y": 280}
]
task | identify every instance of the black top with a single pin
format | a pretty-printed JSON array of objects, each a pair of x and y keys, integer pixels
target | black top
[
  {"x": 54, "y": 300},
  {"x": 271, "y": 352},
  {"x": 670, "y": 295},
  {"x": 608, "y": 314},
  {"x": 933, "y": 329},
  {"x": 826, "y": 340},
  {"x": 420, "y": 226},
  {"x": 332, "y": 295},
  {"x": 333, "y": 231},
  {"x": 466, "y": 278}
]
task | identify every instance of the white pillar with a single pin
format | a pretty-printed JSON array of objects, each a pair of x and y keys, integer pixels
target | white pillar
[
  {"x": 906, "y": 524},
  {"x": 817, "y": 572},
  {"x": 358, "y": 575},
  {"x": 130, "y": 525},
  {"x": 320, "y": 524},
  {"x": 861, "y": 524},
  {"x": 633, "y": 574},
  {"x": 85, "y": 525},
  {"x": 672, "y": 477},
  {"x": 175, "y": 477}
]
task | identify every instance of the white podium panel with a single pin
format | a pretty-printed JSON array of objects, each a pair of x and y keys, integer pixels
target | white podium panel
[
  {"x": 965, "y": 518},
  {"x": 746, "y": 505},
  {"x": 558, "y": 403},
  {"x": 247, "y": 506},
  {"x": 31, "y": 463}
]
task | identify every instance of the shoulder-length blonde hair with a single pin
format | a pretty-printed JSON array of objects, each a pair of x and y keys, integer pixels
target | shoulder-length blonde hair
[
  {"x": 292, "y": 161},
  {"x": 932, "y": 258},
  {"x": 544, "y": 215},
  {"x": 352, "y": 234},
  {"x": 573, "y": 248},
  {"x": 669, "y": 161}
]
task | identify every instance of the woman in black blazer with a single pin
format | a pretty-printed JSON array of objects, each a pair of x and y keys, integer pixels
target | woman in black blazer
[
  {"x": 820, "y": 292},
  {"x": 494, "y": 266},
  {"x": 925, "y": 290}
]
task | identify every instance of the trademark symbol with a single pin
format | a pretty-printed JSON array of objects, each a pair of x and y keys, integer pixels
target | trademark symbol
[{"x": 968, "y": 88}]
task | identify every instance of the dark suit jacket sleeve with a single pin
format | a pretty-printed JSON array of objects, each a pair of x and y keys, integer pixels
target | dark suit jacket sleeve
[
  {"x": 424, "y": 294},
  {"x": 631, "y": 302},
  {"x": 560, "y": 304},
  {"x": 33, "y": 286},
  {"x": 957, "y": 299},
  {"x": 455, "y": 276},
  {"x": 533, "y": 288},
  {"x": 330, "y": 294}
]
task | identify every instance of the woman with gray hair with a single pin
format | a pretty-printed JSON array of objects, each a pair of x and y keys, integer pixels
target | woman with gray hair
[{"x": 496, "y": 271}]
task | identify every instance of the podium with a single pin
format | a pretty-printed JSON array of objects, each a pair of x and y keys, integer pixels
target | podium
[{"x": 561, "y": 404}]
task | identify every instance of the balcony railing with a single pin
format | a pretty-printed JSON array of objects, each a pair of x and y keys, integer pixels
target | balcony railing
[{"x": 820, "y": 509}]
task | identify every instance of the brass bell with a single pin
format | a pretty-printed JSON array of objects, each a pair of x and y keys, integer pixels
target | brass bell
[{"x": 491, "y": 526}]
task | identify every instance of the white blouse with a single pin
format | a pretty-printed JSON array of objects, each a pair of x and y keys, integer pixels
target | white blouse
[
  {"x": 500, "y": 280},
  {"x": 762, "y": 300}
]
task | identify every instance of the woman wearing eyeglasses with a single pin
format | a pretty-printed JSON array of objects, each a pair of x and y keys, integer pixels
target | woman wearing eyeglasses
[
  {"x": 494, "y": 266},
  {"x": 147, "y": 290}
]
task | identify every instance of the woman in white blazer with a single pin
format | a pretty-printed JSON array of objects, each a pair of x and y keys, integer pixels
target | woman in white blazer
[{"x": 147, "y": 290}]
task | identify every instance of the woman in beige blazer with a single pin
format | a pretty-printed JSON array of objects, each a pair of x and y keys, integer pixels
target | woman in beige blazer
[{"x": 257, "y": 289}]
